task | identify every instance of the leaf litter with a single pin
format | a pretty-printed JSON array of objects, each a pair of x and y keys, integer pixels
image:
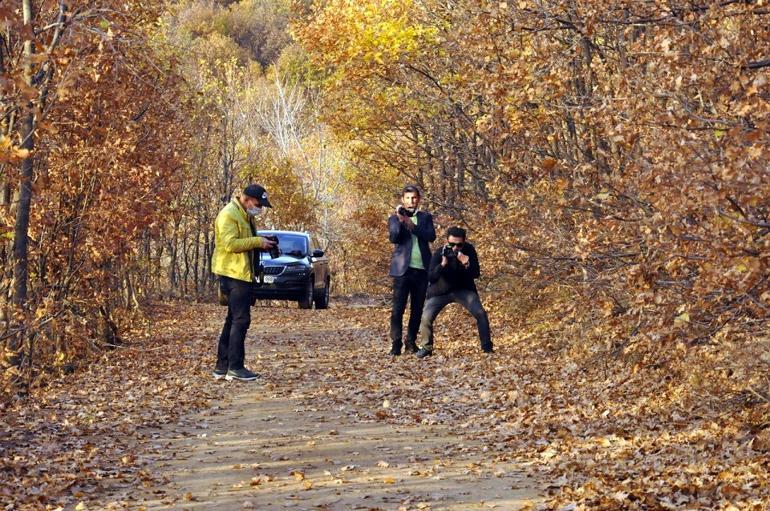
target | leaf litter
[{"x": 597, "y": 438}]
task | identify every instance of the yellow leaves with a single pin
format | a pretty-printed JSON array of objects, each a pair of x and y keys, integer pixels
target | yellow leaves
[
  {"x": 682, "y": 319},
  {"x": 352, "y": 35},
  {"x": 20, "y": 153},
  {"x": 10, "y": 153}
]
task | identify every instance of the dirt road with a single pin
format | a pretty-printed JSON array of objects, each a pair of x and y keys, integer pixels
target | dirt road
[
  {"x": 336, "y": 424},
  {"x": 333, "y": 424}
]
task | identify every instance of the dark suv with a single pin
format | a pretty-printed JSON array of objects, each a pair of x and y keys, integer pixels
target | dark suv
[{"x": 300, "y": 272}]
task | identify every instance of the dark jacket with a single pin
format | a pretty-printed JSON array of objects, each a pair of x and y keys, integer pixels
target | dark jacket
[
  {"x": 453, "y": 276},
  {"x": 402, "y": 238}
]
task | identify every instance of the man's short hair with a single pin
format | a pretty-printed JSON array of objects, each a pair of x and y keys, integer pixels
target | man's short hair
[
  {"x": 411, "y": 189},
  {"x": 458, "y": 232}
]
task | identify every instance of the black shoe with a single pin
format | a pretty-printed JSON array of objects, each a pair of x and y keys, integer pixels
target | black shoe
[
  {"x": 487, "y": 349},
  {"x": 395, "y": 349},
  {"x": 410, "y": 347},
  {"x": 219, "y": 373},
  {"x": 242, "y": 374},
  {"x": 422, "y": 353}
]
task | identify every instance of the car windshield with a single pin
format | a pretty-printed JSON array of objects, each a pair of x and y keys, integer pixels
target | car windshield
[{"x": 292, "y": 245}]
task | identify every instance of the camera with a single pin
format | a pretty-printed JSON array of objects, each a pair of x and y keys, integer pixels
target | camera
[
  {"x": 405, "y": 212},
  {"x": 448, "y": 252},
  {"x": 274, "y": 252}
]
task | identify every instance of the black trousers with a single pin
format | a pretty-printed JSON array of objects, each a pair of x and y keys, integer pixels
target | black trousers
[
  {"x": 412, "y": 285},
  {"x": 230, "y": 350},
  {"x": 465, "y": 297}
]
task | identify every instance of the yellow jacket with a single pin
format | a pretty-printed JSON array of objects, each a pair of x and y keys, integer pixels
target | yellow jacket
[{"x": 233, "y": 242}]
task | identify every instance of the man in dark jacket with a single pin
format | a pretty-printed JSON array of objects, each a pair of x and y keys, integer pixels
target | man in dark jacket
[
  {"x": 452, "y": 271},
  {"x": 410, "y": 230}
]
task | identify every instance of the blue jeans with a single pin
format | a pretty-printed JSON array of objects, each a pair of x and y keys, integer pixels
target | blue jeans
[{"x": 465, "y": 297}]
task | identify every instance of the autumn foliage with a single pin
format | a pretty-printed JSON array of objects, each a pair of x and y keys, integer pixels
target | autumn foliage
[
  {"x": 614, "y": 154},
  {"x": 104, "y": 156},
  {"x": 609, "y": 159}
]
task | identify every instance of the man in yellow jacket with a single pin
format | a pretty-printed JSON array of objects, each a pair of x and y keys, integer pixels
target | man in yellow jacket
[{"x": 235, "y": 249}]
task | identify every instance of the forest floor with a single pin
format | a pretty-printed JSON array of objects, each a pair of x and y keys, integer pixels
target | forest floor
[
  {"x": 313, "y": 433},
  {"x": 335, "y": 423}
]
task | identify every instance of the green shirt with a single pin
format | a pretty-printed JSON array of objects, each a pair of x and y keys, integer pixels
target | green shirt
[{"x": 416, "y": 261}]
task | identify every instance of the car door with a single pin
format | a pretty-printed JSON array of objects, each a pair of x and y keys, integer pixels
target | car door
[{"x": 320, "y": 264}]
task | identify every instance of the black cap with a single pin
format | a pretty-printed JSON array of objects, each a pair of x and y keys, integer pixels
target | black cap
[{"x": 258, "y": 192}]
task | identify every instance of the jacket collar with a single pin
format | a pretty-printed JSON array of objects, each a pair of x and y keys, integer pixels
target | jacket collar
[{"x": 240, "y": 208}]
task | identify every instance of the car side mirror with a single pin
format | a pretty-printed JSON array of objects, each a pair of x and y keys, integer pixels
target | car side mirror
[{"x": 318, "y": 253}]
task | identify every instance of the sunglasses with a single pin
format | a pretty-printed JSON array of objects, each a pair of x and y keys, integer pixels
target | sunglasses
[{"x": 452, "y": 245}]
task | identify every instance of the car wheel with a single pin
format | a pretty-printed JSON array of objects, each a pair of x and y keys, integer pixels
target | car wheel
[
  {"x": 306, "y": 302},
  {"x": 322, "y": 302}
]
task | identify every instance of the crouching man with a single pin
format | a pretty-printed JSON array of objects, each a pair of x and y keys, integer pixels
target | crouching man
[{"x": 453, "y": 270}]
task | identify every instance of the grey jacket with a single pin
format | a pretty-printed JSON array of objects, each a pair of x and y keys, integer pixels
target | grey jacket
[{"x": 402, "y": 239}]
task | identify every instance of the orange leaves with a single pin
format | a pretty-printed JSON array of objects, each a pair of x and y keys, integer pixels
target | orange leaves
[
  {"x": 548, "y": 163},
  {"x": 48, "y": 127},
  {"x": 90, "y": 428},
  {"x": 649, "y": 137},
  {"x": 549, "y": 418},
  {"x": 92, "y": 193}
]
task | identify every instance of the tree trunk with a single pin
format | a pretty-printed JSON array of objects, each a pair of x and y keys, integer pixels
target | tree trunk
[
  {"x": 21, "y": 229},
  {"x": 196, "y": 260}
]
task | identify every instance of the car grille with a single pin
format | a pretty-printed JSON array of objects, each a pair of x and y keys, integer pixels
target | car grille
[{"x": 274, "y": 270}]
